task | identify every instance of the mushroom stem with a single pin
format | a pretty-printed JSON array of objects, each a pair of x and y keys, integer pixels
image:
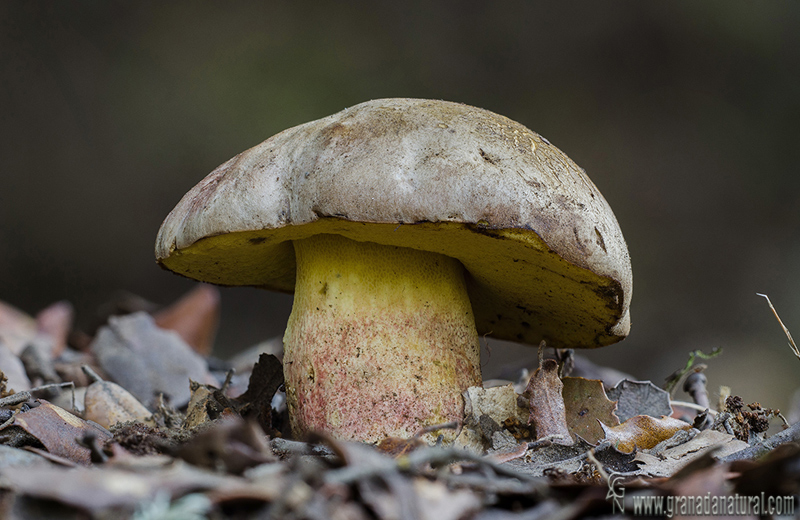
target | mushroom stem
[{"x": 381, "y": 340}]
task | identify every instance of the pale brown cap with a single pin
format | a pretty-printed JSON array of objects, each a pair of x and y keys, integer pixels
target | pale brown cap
[{"x": 544, "y": 253}]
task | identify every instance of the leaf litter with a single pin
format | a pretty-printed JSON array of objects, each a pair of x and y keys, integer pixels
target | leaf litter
[{"x": 136, "y": 420}]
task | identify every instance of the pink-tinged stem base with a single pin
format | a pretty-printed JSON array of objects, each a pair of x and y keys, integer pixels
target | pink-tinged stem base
[{"x": 381, "y": 341}]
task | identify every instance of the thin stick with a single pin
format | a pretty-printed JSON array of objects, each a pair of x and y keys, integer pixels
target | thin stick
[
  {"x": 600, "y": 469},
  {"x": 15, "y": 399},
  {"x": 693, "y": 406},
  {"x": 792, "y": 344}
]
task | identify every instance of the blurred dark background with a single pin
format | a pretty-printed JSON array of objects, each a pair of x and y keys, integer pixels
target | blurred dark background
[{"x": 685, "y": 114}]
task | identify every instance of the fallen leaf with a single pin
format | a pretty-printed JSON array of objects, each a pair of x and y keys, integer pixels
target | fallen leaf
[
  {"x": 147, "y": 360},
  {"x": 395, "y": 446},
  {"x": 568, "y": 459},
  {"x": 59, "y": 431},
  {"x": 486, "y": 410},
  {"x": 639, "y": 398},
  {"x": 711, "y": 484},
  {"x": 194, "y": 317},
  {"x": 10, "y": 457},
  {"x": 642, "y": 431},
  {"x": 256, "y": 402},
  {"x": 669, "y": 461},
  {"x": 547, "y": 412},
  {"x": 232, "y": 445},
  {"x": 107, "y": 404},
  {"x": 777, "y": 473},
  {"x": 586, "y": 403},
  {"x": 208, "y": 403},
  {"x": 95, "y": 489}
]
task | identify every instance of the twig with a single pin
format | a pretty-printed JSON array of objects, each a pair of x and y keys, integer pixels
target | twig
[
  {"x": 600, "y": 469},
  {"x": 285, "y": 447},
  {"x": 693, "y": 406},
  {"x": 52, "y": 386},
  {"x": 452, "y": 425},
  {"x": 789, "y": 435},
  {"x": 15, "y": 399},
  {"x": 417, "y": 459},
  {"x": 228, "y": 377},
  {"x": 792, "y": 344},
  {"x": 93, "y": 376},
  {"x": 9, "y": 422}
]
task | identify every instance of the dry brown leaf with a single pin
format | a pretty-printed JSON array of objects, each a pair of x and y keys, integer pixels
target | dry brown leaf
[
  {"x": 208, "y": 403},
  {"x": 59, "y": 431},
  {"x": 107, "y": 404},
  {"x": 232, "y": 444},
  {"x": 194, "y": 317},
  {"x": 99, "y": 490},
  {"x": 396, "y": 447},
  {"x": 642, "y": 431},
  {"x": 586, "y": 402},
  {"x": 548, "y": 414},
  {"x": 256, "y": 402},
  {"x": 667, "y": 462}
]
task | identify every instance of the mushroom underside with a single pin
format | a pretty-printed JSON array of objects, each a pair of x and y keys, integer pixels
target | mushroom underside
[{"x": 520, "y": 289}]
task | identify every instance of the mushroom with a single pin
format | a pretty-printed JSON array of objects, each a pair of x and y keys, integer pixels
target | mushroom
[{"x": 406, "y": 228}]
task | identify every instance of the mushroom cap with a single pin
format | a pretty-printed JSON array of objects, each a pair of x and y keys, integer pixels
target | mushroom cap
[{"x": 544, "y": 255}]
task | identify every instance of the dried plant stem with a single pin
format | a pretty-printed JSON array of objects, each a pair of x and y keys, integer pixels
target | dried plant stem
[
  {"x": 693, "y": 406},
  {"x": 792, "y": 344}
]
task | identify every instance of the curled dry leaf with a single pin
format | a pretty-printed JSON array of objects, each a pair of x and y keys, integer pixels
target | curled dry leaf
[
  {"x": 586, "y": 403},
  {"x": 256, "y": 402},
  {"x": 548, "y": 414},
  {"x": 107, "y": 404},
  {"x": 396, "y": 447},
  {"x": 208, "y": 403},
  {"x": 231, "y": 444},
  {"x": 59, "y": 431},
  {"x": 642, "y": 431}
]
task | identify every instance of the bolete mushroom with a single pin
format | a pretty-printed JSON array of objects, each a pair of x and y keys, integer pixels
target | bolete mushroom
[{"x": 405, "y": 228}]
